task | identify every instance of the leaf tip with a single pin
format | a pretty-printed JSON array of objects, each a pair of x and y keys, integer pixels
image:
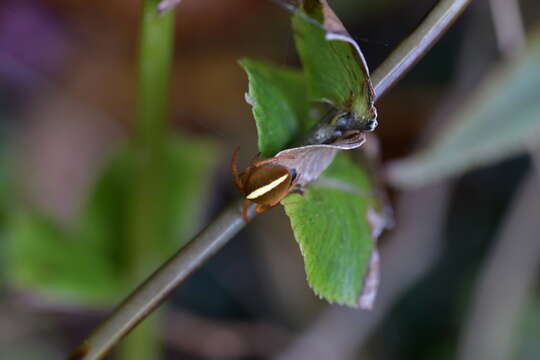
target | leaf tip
[
  {"x": 250, "y": 99},
  {"x": 379, "y": 221}
]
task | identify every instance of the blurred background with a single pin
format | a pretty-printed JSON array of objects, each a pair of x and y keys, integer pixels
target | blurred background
[{"x": 459, "y": 269}]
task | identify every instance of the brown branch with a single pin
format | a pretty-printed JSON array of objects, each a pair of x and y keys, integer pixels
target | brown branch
[{"x": 150, "y": 294}]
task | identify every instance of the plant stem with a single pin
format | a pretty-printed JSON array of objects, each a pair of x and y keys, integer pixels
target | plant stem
[
  {"x": 145, "y": 228},
  {"x": 155, "y": 59},
  {"x": 156, "y": 288},
  {"x": 414, "y": 47},
  {"x": 147, "y": 297}
]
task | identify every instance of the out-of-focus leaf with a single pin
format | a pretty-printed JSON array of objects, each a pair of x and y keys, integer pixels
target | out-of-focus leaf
[
  {"x": 502, "y": 120},
  {"x": 335, "y": 68},
  {"x": 189, "y": 176},
  {"x": 527, "y": 337},
  {"x": 46, "y": 260},
  {"x": 86, "y": 266},
  {"x": 330, "y": 223},
  {"x": 279, "y": 103},
  {"x": 186, "y": 178}
]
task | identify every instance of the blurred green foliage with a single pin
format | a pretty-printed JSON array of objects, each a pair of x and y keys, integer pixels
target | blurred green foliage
[
  {"x": 87, "y": 265},
  {"x": 501, "y": 120},
  {"x": 528, "y": 334}
]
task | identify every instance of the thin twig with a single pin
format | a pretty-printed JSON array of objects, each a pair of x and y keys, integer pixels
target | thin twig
[
  {"x": 155, "y": 289},
  {"x": 149, "y": 295},
  {"x": 414, "y": 47}
]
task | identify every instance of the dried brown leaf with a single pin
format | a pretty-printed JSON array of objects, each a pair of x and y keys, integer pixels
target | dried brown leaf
[{"x": 310, "y": 161}]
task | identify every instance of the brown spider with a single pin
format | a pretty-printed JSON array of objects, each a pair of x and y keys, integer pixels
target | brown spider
[{"x": 263, "y": 182}]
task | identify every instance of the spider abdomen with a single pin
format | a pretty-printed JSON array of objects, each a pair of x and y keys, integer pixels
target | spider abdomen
[{"x": 268, "y": 184}]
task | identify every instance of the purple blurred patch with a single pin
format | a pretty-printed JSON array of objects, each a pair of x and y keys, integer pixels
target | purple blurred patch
[{"x": 32, "y": 40}]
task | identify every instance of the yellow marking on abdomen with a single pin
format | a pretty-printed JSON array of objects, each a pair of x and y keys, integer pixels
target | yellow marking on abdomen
[{"x": 266, "y": 188}]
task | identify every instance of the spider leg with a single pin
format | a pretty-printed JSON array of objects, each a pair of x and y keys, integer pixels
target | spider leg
[
  {"x": 262, "y": 208},
  {"x": 271, "y": 160},
  {"x": 298, "y": 190},
  {"x": 245, "y": 207},
  {"x": 258, "y": 155},
  {"x": 234, "y": 170}
]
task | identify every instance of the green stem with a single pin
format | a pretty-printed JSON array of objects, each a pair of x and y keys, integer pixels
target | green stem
[
  {"x": 155, "y": 59},
  {"x": 145, "y": 228}
]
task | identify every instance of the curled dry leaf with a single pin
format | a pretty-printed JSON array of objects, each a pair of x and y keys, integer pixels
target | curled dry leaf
[
  {"x": 366, "y": 300},
  {"x": 310, "y": 161},
  {"x": 336, "y": 31},
  {"x": 321, "y": 38}
]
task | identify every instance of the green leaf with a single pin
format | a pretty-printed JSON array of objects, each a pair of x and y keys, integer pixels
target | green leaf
[
  {"x": 502, "y": 120},
  {"x": 330, "y": 224},
  {"x": 335, "y": 70},
  {"x": 87, "y": 265},
  {"x": 280, "y": 104}
]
